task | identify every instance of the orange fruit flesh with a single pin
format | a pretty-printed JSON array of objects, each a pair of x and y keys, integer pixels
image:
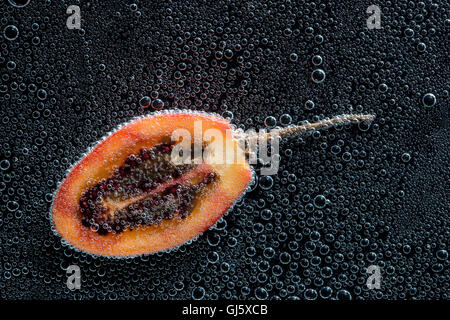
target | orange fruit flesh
[{"x": 233, "y": 180}]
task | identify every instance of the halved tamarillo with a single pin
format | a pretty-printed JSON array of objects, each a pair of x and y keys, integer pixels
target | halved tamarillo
[{"x": 128, "y": 196}]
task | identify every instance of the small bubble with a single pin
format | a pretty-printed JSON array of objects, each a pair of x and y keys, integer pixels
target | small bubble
[
  {"x": 213, "y": 239},
  {"x": 318, "y": 76},
  {"x": 325, "y": 292},
  {"x": 19, "y": 3},
  {"x": 266, "y": 214},
  {"x": 347, "y": 156},
  {"x": 383, "y": 87},
  {"x": 11, "y": 65},
  {"x": 261, "y": 293},
  {"x": 228, "y": 115},
  {"x": 409, "y": 33},
  {"x": 285, "y": 119},
  {"x": 320, "y": 201},
  {"x": 421, "y": 47},
  {"x": 344, "y": 295},
  {"x": 213, "y": 257},
  {"x": 42, "y": 94},
  {"x": 309, "y": 105},
  {"x": 36, "y": 40},
  {"x": 406, "y": 157},
  {"x": 157, "y": 104},
  {"x": 144, "y": 102},
  {"x": 318, "y": 39},
  {"x": 270, "y": 122},
  {"x": 12, "y": 205},
  {"x": 133, "y": 7},
  {"x": 317, "y": 60},
  {"x": 442, "y": 255},
  {"x": 310, "y": 294},
  {"x": 198, "y": 293},
  {"x": 364, "y": 125},
  {"x": 11, "y": 32},
  {"x": 4, "y": 164},
  {"x": 266, "y": 182},
  {"x": 429, "y": 100},
  {"x": 293, "y": 57}
]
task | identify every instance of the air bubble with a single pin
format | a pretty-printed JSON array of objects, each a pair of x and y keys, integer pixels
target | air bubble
[
  {"x": 145, "y": 101},
  {"x": 265, "y": 182},
  {"x": 344, "y": 295},
  {"x": 309, "y": 105},
  {"x": 157, "y": 104},
  {"x": 11, "y": 65},
  {"x": 4, "y": 164},
  {"x": 213, "y": 257},
  {"x": 343, "y": 198},
  {"x": 429, "y": 100},
  {"x": 10, "y": 32},
  {"x": 198, "y": 293},
  {"x": 442, "y": 255},
  {"x": 409, "y": 32},
  {"x": 12, "y": 206},
  {"x": 228, "y": 115},
  {"x": 266, "y": 214},
  {"x": 406, "y": 157},
  {"x": 270, "y": 122},
  {"x": 19, "y": 3},
  {"x": 317, "y": 60},
  {"x": 310, "y": 294},
  {"x": 285, "y": 119},
  {"x": 325, "y": 292},
  {"x": 320, "y": 201},
  {"x": 41, "y": 94},
  {"x": 421, "y": 47},
  {"x": 261, "y": 293},
  {"x": 293, "y": 57}
]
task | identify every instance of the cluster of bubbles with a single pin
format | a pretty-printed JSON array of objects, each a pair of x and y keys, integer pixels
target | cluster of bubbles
[{"x": 343, "y": 199}]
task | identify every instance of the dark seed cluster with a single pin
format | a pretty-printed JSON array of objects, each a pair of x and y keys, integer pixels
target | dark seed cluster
[
  {"x": 343, "y": 199},
  {"x": 135, "y": 180}
]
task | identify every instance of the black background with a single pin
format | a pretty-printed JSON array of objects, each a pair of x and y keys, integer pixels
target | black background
[{"x": 387, "y": 187}]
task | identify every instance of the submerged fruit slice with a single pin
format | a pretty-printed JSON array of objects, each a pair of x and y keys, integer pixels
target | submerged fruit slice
[
  {"x": 126, "y": 197},
  {"x": 130, "y": 195}
]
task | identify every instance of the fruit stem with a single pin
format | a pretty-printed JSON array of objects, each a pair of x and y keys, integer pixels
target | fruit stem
[{"x": 326, "y": 123}]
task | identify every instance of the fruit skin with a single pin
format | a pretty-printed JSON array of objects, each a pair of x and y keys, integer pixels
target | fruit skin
[{"x": 112, "y": 152}]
